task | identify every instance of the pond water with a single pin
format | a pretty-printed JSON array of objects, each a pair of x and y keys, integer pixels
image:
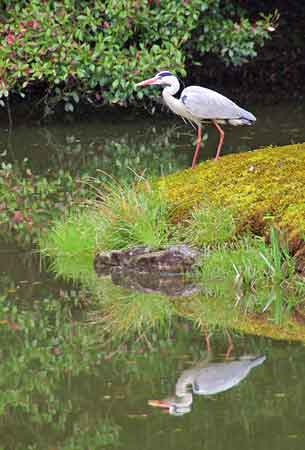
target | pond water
[
  {"x": 62, "y": 388},
  {"x": 116, "y": 141}
]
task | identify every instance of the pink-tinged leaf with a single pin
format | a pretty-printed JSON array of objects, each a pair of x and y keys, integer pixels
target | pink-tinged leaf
[
  {"x": 14, "y": 326},
  {"x": 10, "y": 38},
  {"x": 17, "y": 217},
  {"x": 32, "y": 24}
]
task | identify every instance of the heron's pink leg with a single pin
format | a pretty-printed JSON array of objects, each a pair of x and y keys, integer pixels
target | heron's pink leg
[
  {"x": 221, "y": 138},
  {"x": 208, "y": 342},
  {"x": 230, "y": 345},
  {"x": 199, "y": 137}
]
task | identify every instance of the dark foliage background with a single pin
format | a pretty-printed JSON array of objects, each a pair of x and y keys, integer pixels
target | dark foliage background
[{"x": 278, "y": 71}]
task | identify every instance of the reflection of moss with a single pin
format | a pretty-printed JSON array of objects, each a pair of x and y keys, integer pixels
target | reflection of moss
[
  {"x": 260, "y": 187},
  {"x": 210, "y": 313}
]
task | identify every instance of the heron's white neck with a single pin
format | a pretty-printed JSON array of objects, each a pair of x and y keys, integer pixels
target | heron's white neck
[
  {"x": 173, "y": 86},
  {"x": 185, "y": 380},
  {"x": 188, "y": 376},
  {"x": 172, "y": 102}
]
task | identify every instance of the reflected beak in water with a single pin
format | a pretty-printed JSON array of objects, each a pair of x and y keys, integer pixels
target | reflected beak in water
[
  {"x": 160, "y": 404},
  {"x": 147, "y": 82}
]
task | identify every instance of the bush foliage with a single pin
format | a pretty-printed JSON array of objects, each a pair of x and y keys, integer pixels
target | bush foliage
[{"x": 98, "y": 49}]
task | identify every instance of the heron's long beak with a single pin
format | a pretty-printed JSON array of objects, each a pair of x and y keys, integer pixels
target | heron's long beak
[
  {"x": 147, "y": 82},
  {"x": 159, "y": 403}
]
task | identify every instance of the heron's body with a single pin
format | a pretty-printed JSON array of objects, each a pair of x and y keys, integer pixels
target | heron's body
[
  {"x": 207, "y": 378},
  {"x": 199, "y": 105},
  {"x": 219, "y": 377}
]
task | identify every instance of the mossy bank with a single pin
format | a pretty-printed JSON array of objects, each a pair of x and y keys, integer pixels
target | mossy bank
[
  {"x": 262, "y": 188},
  {"x": 245, "y": 212}
]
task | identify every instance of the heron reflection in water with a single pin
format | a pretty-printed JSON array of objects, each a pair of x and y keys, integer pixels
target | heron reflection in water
[{"x": 207, "y": 378}]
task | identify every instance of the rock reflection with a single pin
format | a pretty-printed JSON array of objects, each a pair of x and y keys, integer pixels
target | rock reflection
[
  {"x": 170, "y": 285},
  {"x": 147, "y": 270},
  {"x": 207, "y": 378}
]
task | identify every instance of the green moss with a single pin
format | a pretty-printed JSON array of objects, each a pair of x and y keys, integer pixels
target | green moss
[
  {"x": 261, "y": 187},
  {"x": 294, "y": 216}
]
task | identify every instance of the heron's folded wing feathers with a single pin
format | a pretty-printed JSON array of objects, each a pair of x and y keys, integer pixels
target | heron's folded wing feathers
[{"x": 207, "y": 104}]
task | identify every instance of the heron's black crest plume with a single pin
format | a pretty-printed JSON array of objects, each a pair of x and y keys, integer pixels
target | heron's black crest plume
[{"x": 164, "y": 74}]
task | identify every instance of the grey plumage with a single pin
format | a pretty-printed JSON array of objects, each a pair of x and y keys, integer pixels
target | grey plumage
[
  {"x": 206, "y": 104},
  {"x": 219, "y": 377}
]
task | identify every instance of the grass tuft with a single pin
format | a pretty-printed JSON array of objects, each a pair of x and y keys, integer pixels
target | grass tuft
[
  {"x": 72, "y": 242},
  {"x": 209, "y": 225},
  {"x": 122, "y": 216},
  {"x": 133, "y": 215}
]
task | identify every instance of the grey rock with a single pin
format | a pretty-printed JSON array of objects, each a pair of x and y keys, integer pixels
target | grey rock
[
  {"x": 126, "y": 257},
  {"x": 174, "y": 259},
  {"x": 102, "y": 263}
]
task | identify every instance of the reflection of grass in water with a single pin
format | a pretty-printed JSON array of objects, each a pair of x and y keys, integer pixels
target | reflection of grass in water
[
  {"x": 263, "y": 276},
  {"x": 44, "y": 361},
  {"x": 235, "y": 281},
  {"x": 117, "y": 312},
  {"x": 123, "y": 314},
  {"x": 208, "y": 313}
]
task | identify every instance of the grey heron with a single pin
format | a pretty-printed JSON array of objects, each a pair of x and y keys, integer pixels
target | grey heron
[
  {"x": 199, "y": 105},
  {"x": 207, "y": 378}
]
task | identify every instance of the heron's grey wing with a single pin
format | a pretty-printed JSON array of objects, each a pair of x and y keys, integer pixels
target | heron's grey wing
[
  {"x": 204, "y": 103},
  {"x": 219, "y": 377}
]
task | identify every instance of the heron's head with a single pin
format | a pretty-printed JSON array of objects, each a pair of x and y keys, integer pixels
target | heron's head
[
  {"x": 175, "y": 406},
  {"x": 163, "y": 78}
]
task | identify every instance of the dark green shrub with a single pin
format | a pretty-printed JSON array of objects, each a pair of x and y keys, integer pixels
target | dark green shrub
[{"x": 98, "y": 49}]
